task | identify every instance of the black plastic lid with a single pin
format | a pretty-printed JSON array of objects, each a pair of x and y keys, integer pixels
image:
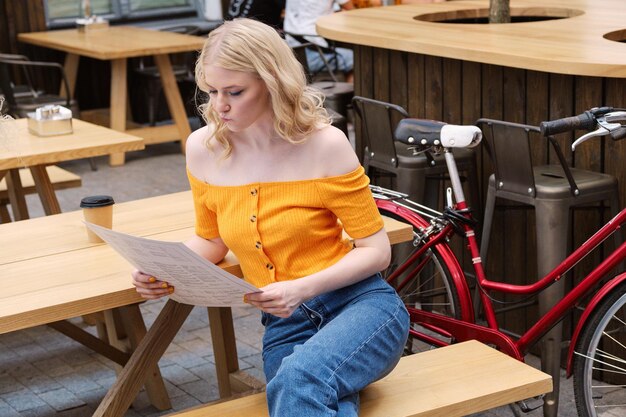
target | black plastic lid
[{"x": 96, "y": 201}]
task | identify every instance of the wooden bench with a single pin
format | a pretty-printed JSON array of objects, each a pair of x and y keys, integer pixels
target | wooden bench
[
  {"x": 456, "y": 380},
  {"x": 59, "y": 177}
]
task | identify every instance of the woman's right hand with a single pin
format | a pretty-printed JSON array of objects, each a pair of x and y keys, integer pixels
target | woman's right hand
[{"x": 149, "y": 287}]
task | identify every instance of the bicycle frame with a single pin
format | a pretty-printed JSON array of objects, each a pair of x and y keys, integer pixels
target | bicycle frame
[{"x": 466, "y": 328}]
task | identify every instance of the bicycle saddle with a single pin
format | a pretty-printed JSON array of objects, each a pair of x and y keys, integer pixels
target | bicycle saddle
[{"x": 425, "y": 134}]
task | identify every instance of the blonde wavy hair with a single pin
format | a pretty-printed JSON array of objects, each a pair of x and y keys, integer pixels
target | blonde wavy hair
[{"x": 251, "y": 46}]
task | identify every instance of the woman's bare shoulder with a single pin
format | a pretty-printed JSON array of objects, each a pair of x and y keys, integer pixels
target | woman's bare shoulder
[
  {"x": 200, "y": 152},
  {"x": 333, "y": 151}
]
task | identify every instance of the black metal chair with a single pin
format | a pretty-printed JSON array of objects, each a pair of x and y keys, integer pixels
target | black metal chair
[
  {"x": 553, "y": 190},
  {"x": 184, "y": 72},
  {"x": 419, "y": 175},
  {"x": 328, "y": 55},
  {"x": 25, "y": 97}
]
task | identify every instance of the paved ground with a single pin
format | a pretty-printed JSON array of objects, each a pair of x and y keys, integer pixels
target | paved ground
[{"x": 45, "y": 374}]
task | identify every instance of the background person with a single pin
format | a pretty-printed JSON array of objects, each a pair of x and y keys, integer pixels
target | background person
[
  {"x": 266, "y": 11},
  {"x": 300, "y": 18},
  {"x": 270, "y": 179}
]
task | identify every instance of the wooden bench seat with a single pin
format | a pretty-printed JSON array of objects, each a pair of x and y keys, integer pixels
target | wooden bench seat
[
  {"x": 60, "y": 178},
  {"x": 456, "y": 380}
]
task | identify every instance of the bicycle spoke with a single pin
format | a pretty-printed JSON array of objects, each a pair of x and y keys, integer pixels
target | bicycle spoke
[
  {"x": 426, "y": 284},
  {"x": 600, "y": 359}
]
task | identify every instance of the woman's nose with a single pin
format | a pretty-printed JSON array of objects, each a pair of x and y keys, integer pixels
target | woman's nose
[{"x": 221, "y": 105}]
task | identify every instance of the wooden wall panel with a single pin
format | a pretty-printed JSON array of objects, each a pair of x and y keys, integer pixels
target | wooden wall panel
[
  {"x": 452, "y": 101},
  {"x": 398, "y": 80},
  {"x": 17, "y": 17},
  {"x": 433, "y": 88},
  {"x": 415, "y": 87},
  {"x": 381, "y": 74},
  {"x": 471, "y": 102}
]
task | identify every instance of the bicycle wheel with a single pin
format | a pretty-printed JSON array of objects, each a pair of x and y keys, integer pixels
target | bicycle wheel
[
  {"x": 600, "y": 359},
  {"x": 427, "y": 284}
]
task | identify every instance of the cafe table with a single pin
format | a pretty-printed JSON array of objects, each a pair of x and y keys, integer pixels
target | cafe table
[
  {"x": 22, "y": 149},
  {"x": 117, "y": 44},
  {"x": 62, "y": 275}
]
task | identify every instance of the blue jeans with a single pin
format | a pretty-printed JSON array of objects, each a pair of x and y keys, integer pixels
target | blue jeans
[
  {"x": 343, "y": 63},
  {"x": 317, "y": 360}
]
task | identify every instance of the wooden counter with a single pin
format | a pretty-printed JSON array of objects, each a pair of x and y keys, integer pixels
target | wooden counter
[
  {"x": 519, "y": 72},
  {"x": 572, "y": 45}
]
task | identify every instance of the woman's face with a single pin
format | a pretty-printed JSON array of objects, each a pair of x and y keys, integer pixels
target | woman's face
[{"x": 240, "y": 99}]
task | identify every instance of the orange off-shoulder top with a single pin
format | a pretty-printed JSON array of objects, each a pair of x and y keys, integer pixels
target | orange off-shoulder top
[{"x": 286, "y": 230}]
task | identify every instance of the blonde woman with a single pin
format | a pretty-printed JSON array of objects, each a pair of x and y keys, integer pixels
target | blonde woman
[{"x": 275, "y": 183}]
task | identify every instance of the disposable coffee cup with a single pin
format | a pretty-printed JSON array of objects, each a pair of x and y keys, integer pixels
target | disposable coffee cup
[{"x": 97, "y": 209}]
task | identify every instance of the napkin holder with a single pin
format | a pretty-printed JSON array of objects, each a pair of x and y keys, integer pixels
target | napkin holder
[
  {"x": 91, "y": 23},
  {"x": 50, "y": 120}
]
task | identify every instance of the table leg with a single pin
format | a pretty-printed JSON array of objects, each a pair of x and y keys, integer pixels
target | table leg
[
  {"x": 230, "y": 379},
  {"x": 143, "y": 360},
  {"x": 71, "y": 72},
  {"x": 172, "y": 95},
  {"x": 16, "y": 195},
  {"x": 119, "y": 92},
  {"x": 45, "y": 189},
  {"x": 5, "y": 217},
  {"x": 224, "y": 347},
  {"x": 136, "y": 331}
]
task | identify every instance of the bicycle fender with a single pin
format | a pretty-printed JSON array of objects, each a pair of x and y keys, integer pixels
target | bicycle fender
[{"x": 606, "y": 289}]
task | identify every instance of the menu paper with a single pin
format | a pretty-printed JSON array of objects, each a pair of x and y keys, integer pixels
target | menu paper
[{"x": 196, "y": 280}]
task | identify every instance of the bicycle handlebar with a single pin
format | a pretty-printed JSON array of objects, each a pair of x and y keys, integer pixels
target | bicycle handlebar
[
  {"x": 599, "y": 121},
  {"x": 584, "y": 121},
  {"x": 425, "y": 134}
]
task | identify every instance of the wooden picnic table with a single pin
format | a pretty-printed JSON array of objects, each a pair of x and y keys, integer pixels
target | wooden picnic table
[
  {"x": 23, "y": 149},
  {"x": 117, "y": 44},
  {"x": 50, "y": 273}
]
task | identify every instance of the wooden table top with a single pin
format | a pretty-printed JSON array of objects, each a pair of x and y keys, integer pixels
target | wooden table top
[
  {"x": 114, "y": 42},
  {"x": 25, "y": 149},
  {"x": 573, "y": 45},
  {"x": 57, "y": 274}
]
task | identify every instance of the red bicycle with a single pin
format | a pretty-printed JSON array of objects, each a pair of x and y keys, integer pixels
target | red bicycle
[{"x": 436, "y": 290}]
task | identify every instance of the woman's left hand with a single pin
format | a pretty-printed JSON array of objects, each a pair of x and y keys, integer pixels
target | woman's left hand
[{"x": 279, "y": 298}]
